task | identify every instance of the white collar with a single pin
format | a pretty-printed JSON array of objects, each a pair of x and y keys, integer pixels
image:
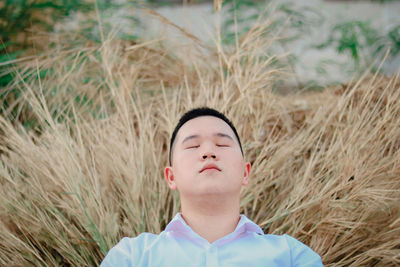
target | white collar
[{"x": 178, "y": 224}]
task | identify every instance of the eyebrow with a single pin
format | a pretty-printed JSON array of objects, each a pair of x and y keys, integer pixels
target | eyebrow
[
  {"x": 223, "y": 135},
  {"x": 197, "y": 136}
]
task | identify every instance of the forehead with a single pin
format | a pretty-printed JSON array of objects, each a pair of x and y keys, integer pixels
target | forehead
[{"x": 204, "y": 125}]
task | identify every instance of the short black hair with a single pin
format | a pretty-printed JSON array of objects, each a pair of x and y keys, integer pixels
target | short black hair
[{"x": 199, "y": 112}]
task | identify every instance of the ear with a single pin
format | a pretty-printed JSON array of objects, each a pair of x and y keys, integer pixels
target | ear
[
  {"x": 169, "y": 177},
  {"x": 246, "y": 175}
]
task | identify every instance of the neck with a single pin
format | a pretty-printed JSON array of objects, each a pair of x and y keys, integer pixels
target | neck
[{"x": 212, "y": 220}]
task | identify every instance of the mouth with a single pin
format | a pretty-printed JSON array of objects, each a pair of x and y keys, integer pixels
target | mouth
[{"x": 210, "y": 167}]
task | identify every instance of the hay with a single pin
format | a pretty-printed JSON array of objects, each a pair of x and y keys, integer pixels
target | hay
[{"x": 88, "y": 171}]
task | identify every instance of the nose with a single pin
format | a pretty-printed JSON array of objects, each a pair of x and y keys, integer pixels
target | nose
[
  {"x": 209, "y": 155},
  {"x": 207, "y": 151}
]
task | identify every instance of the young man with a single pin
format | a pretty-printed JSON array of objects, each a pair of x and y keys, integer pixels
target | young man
[{"x": 208, "y": 169}]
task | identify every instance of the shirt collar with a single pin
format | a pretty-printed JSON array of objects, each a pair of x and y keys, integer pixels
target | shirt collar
[{"x": 178, "y": 224}]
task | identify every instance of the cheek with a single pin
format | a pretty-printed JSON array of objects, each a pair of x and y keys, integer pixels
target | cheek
[
  {"x": 183, "y": 162},
  {"x": 185, "y": 156},
  {"x": 235, "y": 161}
]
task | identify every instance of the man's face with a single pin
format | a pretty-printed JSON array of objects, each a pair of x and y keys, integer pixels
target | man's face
[{"x": 206, "y": 159}]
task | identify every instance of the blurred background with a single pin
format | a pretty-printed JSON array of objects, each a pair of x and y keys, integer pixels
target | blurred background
[{"x": 325, "y": 41}]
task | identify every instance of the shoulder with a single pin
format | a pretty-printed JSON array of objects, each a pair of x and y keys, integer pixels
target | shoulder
[
  {"x": 128, "y": 250},
  {"x": 299, "y": 253}
]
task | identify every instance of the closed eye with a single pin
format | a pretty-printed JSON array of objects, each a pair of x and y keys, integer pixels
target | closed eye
[
  {"x": 192, "y": 147},
  {"x": 223, "y": 145}
]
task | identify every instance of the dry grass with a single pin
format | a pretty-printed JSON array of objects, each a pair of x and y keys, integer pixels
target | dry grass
[{"x": 326, "y": 166}]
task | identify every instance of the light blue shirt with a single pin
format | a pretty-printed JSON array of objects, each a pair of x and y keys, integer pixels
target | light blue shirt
[{"x": 179, "y": 245}]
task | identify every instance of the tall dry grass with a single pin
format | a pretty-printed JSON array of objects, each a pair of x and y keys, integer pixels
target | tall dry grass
[{"x": 326, "y": 166}]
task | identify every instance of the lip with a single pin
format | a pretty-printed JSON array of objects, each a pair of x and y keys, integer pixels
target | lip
[{"x": 210, "y": 166}]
